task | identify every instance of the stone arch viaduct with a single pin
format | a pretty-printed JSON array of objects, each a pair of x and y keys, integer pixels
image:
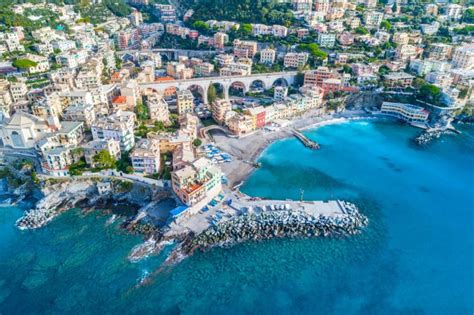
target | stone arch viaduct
[{"x": 266, "y": 79}]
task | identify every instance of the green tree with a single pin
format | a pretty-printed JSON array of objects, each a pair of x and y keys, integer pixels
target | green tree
[
  {"x": 246, "y": 29},
  {"x": 24, "y": 63},
  {"x": 361, "y": 30},
  {"x": 104, "y": 160},
  {"x": 201, "y": 26},
  {"x": 142, "y": 111},
  {"x": 386, "y": 25},
  {"x": 197, "y": 142},
  {"x": 211, "y": 94},
  {"x": 468, "y": 16},
  {"x": 124, "y": 164},
  {"x": 430, "y": 93},
  {"x": 78, "y": 167}
]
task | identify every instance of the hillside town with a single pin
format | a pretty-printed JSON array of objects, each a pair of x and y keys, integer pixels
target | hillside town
[{"x": 142, "y": 88}]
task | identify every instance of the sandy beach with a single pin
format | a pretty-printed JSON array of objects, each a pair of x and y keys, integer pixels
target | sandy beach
[{"x": 246, "y": 150}]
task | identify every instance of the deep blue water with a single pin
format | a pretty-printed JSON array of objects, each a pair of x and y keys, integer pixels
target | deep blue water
[{"x": 415, "y": 257}]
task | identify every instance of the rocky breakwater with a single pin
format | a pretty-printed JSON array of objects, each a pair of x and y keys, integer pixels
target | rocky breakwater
[
  {"x": 272, "y": 224},
  {"x": 58, "y": 197},
  {"x": 427, "y": 136}
]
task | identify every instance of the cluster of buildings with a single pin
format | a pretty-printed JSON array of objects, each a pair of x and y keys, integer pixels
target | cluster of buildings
[
  {"x": 252, "y": 118},
  {"x": 72, "y": 97}
]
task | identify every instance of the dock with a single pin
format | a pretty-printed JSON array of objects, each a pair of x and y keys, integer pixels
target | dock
[{"x": 305, "y": 140}]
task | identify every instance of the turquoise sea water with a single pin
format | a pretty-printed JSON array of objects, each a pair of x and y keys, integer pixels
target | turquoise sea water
[{"x": 415, "y": 257}]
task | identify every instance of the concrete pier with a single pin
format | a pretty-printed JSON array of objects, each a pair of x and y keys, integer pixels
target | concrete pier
[{"x": 305, "y": 140}]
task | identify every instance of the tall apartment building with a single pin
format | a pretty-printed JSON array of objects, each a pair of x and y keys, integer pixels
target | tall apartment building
[
  {"x": 198, "y": 182},
  {"x": 184, "y": 101},
  {"x": 18, "y": 91},
  {"x": 158, "y": 108},
  {"x": 295, "y": 60},
  {"x": 219, "y": 108}
]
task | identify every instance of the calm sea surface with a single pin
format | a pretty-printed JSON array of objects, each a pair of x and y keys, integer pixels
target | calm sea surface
[{"x": 415, "y": 257}]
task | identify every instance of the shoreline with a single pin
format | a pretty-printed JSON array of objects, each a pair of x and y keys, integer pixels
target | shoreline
[{"x": 247, "y": 150}]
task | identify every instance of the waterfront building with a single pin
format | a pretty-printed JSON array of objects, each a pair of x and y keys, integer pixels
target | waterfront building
[
  {"x": 76, "y": 97},
  {"x": 166, "y": 13},
  {"x": 318, "y": 76},
  {"x": 57, "y": 161},
  {"x": 220, "y": 39},
  {"x": 184, "y": 101},
  {"x": 41, "y": 63},
  {"x": 197, "y": 183},
  {"x": 407, "y": 112},
  {"x": 135, "y": 17},
  {"x": 203, "y": 69},
  {"x": 92, "y": 148},
  {"x": 295, "y": 60},
  {"x": 118, "y": 126},
  {"x": 145, "y": 157},
  {"x": 453, "y": 11},
  {"x": 258, "y": 115},
  {"x": 267, "y": 56},
  {"x": 236, "y": 68},
  {"x": 240, "y": 124}
]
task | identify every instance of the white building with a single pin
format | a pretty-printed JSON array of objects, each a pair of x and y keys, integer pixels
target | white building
[
  {"x": 145, "y": 157},
  {"x": 372, "y": 19},
  {"x": 326, "y": 40},
  {"x": 407, "y": 112},
  {"x": 158, "y": 108},
  {"x": 23, "y": 130},
  {"x": 280, "y": 93},
  {"x": 118, "y": 126}
]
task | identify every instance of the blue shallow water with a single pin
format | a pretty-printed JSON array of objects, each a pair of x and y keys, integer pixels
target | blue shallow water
[{"x": 416, "y": 256}]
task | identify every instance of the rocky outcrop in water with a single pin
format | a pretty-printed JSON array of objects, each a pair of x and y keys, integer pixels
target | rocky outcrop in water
[{"x": 427, "y": 136}]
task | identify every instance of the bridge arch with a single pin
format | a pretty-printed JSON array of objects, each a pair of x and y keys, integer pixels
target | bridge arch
[
  {"x": 198, "y": 90},
  {"x": 280, "y": 82},
  {"x": 222, "y": 91},
  {"x": 257, "y": 84},
  {"x": 204, "y": 132},
  {"x": 238, "y": 85}
]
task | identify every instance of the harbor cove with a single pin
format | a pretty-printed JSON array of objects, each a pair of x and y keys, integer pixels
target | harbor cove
[{"x": 412, "y": 252}]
